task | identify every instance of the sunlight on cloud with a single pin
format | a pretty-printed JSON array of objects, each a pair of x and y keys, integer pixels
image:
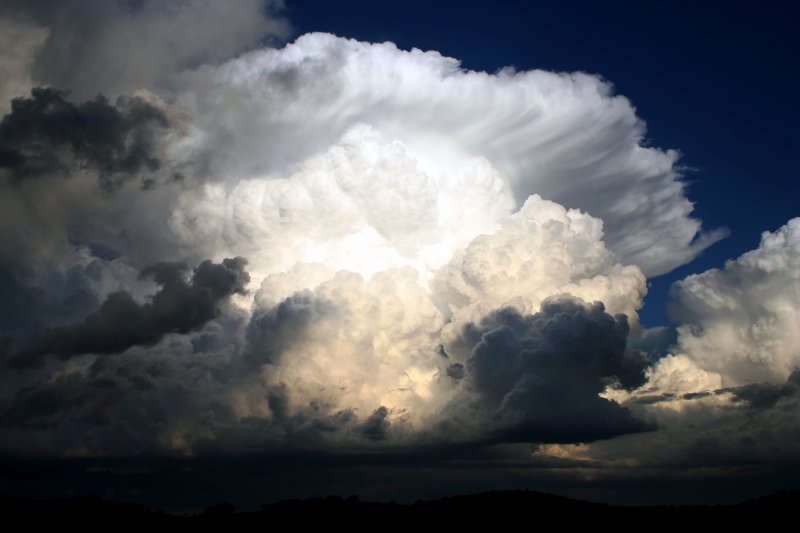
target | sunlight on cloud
[
  {"x": 741, "y": 321},
  {"x": 563, "y": 136}
]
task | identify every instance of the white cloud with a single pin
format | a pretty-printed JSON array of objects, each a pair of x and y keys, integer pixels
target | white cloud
[
  {"x": 678, "y": 374},
  {"x": 729, "y": 395},
  {"x": 741, "y": 321},
  {"x": 563, "y": 136},
  {"x": 365, "y": 204},
  {"x": 541, "y": 250}
]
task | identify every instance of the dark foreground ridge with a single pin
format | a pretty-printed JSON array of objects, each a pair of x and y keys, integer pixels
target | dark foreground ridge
[{"x": 498, "y": 508}]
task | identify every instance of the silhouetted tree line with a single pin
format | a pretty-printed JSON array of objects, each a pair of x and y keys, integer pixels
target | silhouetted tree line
[{"x": 496, "y": 509}]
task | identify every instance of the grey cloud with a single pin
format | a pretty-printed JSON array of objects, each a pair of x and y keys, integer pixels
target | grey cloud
[
  {"x": 376, "y": 426},
  {"x": 655, "y": 342},
  {"x": 745, "y": 427},
  {"x": 166, "y": 397},
  {"x": 46, "y": 134},
  {"x": 124, "y": 404},
  {"x": 63, "y": 296},
  {"x": 689, "y": 395},
  {"x": 764, "y": 395},
  {"x": 23, "y": 302},
  {"x": 456, "y": 371},
  {"x": 20, "y": 42},
  {"x": 539, "y": 377},
  {"x": 121, "y": 322},
  {"x": 71, "y": 397},
  {"x": 757, "y": 396},
  {"x": 120, "y": 46},
  {"x": 307, "y": 425}
]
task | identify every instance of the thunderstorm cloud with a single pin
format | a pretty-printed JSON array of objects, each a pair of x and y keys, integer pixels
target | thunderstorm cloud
[{"x": 213, "y": 241}]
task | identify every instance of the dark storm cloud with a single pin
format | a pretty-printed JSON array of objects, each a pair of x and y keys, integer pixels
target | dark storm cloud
[
  {"x": 28, "y": 306},
  {"x": 540, "y": 376},
  {"x": 151, "y": 399},
  {"x": 71, "y": 398},
  {"x": 307, "y": 426},
  {"x": 22, "y": 301},
  {"x": 46, "y": 134},
  {"x": 121, "y": 322},
  {"x": 376, "y": 426},
  {"x": 764, "y": 395}
]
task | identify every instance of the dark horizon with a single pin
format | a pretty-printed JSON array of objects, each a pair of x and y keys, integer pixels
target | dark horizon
[
  {"x": 457, "y": 510},
  {"x": 249, "y": 481}
]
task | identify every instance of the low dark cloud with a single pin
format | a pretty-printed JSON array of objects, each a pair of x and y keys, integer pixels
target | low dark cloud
[
  {"x": 22, "y": 301},
  {"x": 539, "y": 377},
  {"x": 156, "y": 399},
  {"x": 30, "y": 306},
  {"x": 121, "y": 322},
  {"x": 754, "y": 396},
  {"x": 48, "y": 135},
  {"x": 72, "y": 398},
  {"x": 302, "y": 427},
  {"x": 376, "y": 426},
  {"x": 764, "y": 395}
]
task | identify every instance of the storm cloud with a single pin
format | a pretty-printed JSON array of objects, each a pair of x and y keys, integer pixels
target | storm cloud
[
  {"x": 441, "y": 263},
  {"x": 539, "y": 377},
  {"x": 121, "y": 322},
  {"x": 47, "y": 135}
]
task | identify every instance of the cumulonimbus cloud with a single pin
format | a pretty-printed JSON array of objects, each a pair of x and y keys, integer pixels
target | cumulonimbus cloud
[{"x": 436, "y": 255}]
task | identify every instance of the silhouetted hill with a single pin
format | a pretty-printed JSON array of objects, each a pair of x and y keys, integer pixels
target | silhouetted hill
[{"x": 491, "y": 508}]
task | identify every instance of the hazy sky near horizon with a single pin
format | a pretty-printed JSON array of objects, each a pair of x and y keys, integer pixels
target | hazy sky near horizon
[{"x": 398, "y": 250}]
